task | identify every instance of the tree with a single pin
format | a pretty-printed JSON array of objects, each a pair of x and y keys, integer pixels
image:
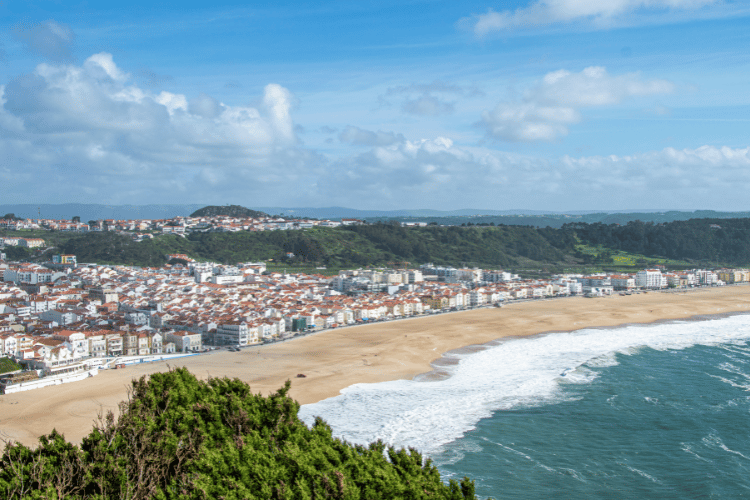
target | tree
[
  {"x": 76, "y": 218},
  {"x": 179, "y": 437},
  {"x": 9, "y": 216}
]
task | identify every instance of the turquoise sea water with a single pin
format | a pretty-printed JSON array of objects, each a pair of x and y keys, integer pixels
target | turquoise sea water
[
  {"x": 657, "y": 411},
  {"x": 660, "y": 424}
]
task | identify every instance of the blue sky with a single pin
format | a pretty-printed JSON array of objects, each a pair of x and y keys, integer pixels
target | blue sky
[{"x": 546, "y": 105}]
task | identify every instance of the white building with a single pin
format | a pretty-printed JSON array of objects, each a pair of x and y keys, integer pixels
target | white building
[
  {"x": 78, "y": 342},
  {"x": 622, "y": 282},
  {"x": 185, "y": 341},
  {"x": 497, "y": 276},
  {"x": 705, "y": 277},
  {"x": 8, "y": 345},
  {"x": 233, "y": 333},
  {"x": 649, "y": 278}
]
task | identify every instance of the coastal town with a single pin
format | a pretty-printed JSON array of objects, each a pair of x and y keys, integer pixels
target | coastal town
[
  {"x": 145, "y": 228},
  {"x": 63, "y": 320}
]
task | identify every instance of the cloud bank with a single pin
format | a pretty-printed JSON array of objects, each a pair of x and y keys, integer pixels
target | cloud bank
[
  {"x": 548, "y": 109},
  {"x": 88, "y": 133}
]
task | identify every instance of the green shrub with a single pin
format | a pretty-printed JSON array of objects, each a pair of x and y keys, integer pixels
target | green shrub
[{"x": 181, "y": 438}]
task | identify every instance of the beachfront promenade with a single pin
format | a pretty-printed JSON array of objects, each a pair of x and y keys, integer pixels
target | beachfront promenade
[{"x": 335, "y": 359}]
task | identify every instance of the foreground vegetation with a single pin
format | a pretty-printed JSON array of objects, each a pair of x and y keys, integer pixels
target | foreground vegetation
[{"x": 181, "y": 438}]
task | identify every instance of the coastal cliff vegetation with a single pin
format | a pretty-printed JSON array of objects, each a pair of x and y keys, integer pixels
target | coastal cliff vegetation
[{"x": 181, "y": 438}]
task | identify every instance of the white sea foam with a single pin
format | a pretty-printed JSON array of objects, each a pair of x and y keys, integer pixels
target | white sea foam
[
  {"x": 714, "y": 441},
  {"x": 641, "y": 473},
  {"x": 517, "y": 373}
]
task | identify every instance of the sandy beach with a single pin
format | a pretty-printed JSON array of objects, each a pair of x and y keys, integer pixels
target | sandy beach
[{"x": 333, "y": 360}]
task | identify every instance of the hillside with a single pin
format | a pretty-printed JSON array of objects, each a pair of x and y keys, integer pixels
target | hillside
[
  {"x": 693, "y": 243},
  {"x": 228, "y": 210},
  {"x": 707, "y": 240},
  {"x": 351, "y": 246},
  {"x": 178, "y": 437}
]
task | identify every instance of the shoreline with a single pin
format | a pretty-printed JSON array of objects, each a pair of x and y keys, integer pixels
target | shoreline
[
  {"x": 454, "y": 356},
  {"x": 335, "y": 359}
]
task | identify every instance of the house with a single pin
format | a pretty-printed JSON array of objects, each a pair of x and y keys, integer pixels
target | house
[
  {"x": 185, "y": 341},
  {"x": 77, "y": 340}
]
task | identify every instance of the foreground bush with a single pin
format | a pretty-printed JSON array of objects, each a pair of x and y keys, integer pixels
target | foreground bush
[{"x": 178, "y": 437}]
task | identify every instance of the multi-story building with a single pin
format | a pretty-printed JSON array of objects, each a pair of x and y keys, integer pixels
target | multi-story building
[
  {"x": 64, "y": 259},
  {"x": 8, "y": 344},
  {"x": 114, "y": 344},
  {"x": 185, "y": 341},
  {"x": 97, "y": 343},
  {"x": 155, "y": 342},
  {"x": 649, "y": 278},
  {"x": 31, "y": 242},
  {"x": 78, "y": 342},
  {"x": 705, "y": 277},
  {"x": 622, "y": 282},
  {"x": 103, "y": 294},
  {"x": 232, "y": 333}
]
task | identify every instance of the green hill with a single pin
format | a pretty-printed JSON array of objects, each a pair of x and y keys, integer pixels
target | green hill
[
  {"x": 697, "y": 242},
  {"x": 228, "y": 210},
  {"x": 351, "y": 246}
]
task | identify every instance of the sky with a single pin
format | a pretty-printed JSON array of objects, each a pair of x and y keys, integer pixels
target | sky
[{"x": 554, "y": 105}]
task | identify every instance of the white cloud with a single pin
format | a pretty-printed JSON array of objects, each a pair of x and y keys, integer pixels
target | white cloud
[
  {"x": 529, "y": 121},
  {"x": 671, "y": 177},
  {"x": 546, "y": 12},
  {"x": 546, "y": 110},
  {"x": 595, "y": 87},
  {"x": 429, "y": 99},
  {"x": 87, "y": 133},
  {"x": 94, "y": 124},
  {"x": 278, "y": 102},
  {"x": 358, "y": 136},
  {"x": 204, "y": 105},
  {"x": 427, "y": 105},
  {"x": 49, "y": 39},
  {"x": 422, "y": 173},
  {"x": 103, "y": 62}
]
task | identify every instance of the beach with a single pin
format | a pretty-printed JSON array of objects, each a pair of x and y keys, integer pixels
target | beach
[{"x": 334, "y": 359}]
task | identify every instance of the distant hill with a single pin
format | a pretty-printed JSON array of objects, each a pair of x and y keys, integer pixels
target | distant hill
[
  {"x": 228, "y": 210},
  {"x": 518, "y": 217},
  {"x": 557, "y": 221}
]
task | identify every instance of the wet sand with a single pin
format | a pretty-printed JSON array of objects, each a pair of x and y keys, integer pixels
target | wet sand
[{"x": 333, "y": 360}]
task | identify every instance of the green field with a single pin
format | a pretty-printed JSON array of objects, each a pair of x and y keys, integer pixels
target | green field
[{"x": 8, "y": 365}]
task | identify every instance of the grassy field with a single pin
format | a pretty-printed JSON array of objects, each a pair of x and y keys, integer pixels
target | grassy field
[{"x": 620, "y": 260}]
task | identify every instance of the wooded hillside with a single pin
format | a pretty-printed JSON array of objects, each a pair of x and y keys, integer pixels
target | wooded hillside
[{"x": 229, "y": 210}]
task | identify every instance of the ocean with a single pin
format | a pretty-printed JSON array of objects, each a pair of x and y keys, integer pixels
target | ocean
[{"x": 638, "y": 411}]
